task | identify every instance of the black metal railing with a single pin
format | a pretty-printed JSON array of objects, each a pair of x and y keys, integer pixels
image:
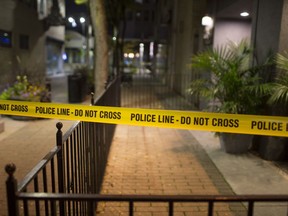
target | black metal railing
[
  {"x": 76, "y": 165},
  {"x": 156, "y": 91},
  {"x": 91, "y": 199},
  {"x": 67, "y": 181}
]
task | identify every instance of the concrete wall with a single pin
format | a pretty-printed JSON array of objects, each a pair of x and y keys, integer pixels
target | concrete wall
[
  {"x": 234, "y": 30},
  {"x": 2, "y": 125},
  {"x": 283, "y": 40},
  {"x": 185, "y": 41},
  {"x": 267, "y": 26}
]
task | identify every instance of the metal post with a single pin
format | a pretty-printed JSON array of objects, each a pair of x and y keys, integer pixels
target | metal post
[
  {"x": 250, "y": 208},
  {"x": 210, "y": 208},
  {"x": 59, "y": 143},
  {"x": 11, "y": 189},
  {"x": 171, "y": 208},
  {"x": 92, "y": 99}
]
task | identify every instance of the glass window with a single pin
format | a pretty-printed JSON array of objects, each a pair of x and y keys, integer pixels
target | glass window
[
  {"x": 139, "y": 15},
  {"x": 146, "y": 15},
  {"x": 129, "y": 15},
  {"x": 5, "y": 38},
  {"x": 24, "y": 42},
  {"x": 54, "y": 57}
]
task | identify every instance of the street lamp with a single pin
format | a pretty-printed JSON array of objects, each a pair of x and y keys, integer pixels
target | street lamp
[
  {"x": 72, "y": 21},
  {"x": 82, "y": 21},
  {"x": 208, "y": 23},
  {"x": 85, "y": 33}
]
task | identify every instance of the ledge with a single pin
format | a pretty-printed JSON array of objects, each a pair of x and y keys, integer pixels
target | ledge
[{"x": 1, "y": 125}]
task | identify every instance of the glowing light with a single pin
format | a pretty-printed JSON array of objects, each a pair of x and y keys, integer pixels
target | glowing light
[
  {"x": 71, "y": 19},
  {"x": 207, "y": 21},
  {"x": 151, "y": 49},
  {"x": 82, "y": 20},
  {"x": 131, "y": 55},
  {"x": 64, "y": 56},
  {"x": 244, "y": 14}
]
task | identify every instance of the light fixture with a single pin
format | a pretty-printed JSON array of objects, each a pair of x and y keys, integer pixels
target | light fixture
[
  {"x": 244, "y": 14},
  {"x": 82, "y": 20},
  {"x": 207, "y": 21},
  {"x": 208, "y": 24},
  {"x": 71, "y": 19},
  {"x": 131, "y": 55}
]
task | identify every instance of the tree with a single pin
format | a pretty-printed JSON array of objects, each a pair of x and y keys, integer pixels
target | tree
[
  {"x": 101, "y": 57},
  {"x": 99, "y": 9},
  {"x": 116, "y": 17},
  {"x": 99, "y": 26}
]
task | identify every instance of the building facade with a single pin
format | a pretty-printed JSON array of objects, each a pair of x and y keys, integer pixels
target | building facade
[{"x": 29, "y": 45}]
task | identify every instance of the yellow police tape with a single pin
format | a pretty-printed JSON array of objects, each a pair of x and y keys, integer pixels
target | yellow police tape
[{"x": 218, "y": 122}]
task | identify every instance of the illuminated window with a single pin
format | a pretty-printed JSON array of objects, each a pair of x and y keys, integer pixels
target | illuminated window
[{"x": 5, "y": 38}]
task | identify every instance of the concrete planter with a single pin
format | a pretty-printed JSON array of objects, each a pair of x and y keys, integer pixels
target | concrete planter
[
  {"x": 273, "y": 148},
  {"x": 235, "y": 143},
  {"x": 1, "y": 125}
]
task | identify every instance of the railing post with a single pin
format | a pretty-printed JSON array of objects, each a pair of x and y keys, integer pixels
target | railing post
[
  {"x": 59, "y": 144},
  {"x": 11, "y": 189},
  {"x": 92, "y": 99}
]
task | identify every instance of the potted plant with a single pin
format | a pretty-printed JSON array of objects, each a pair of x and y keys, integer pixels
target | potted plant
[
  {"x": 275, "y": 148},
  {"x": 234, "y": 87},
  {"x": 280, "y": 86},
  {"x": 23, "y": 90}
]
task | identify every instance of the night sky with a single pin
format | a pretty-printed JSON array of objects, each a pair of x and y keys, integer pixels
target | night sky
[{"x": 74, "y": 9}]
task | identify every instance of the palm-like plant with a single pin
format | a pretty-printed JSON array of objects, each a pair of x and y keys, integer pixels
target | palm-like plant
[
  {"x": 234, "y": 85},
  {"x": 280, "y": 88}
]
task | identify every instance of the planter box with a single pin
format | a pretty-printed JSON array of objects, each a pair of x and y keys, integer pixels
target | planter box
[
  {"x": 1, "y": 125},
  {"x": 273, "y": 148},
  {"x": 235, "y": 143}
]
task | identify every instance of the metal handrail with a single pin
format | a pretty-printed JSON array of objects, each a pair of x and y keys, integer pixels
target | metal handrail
[{"x": 152, "y": 198}]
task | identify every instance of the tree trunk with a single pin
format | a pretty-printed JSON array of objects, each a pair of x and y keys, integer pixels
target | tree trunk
[{"x": 101, "y": 56}]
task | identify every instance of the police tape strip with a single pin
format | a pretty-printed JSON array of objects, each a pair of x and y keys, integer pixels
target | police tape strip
[{"x": 217, "y": 122}]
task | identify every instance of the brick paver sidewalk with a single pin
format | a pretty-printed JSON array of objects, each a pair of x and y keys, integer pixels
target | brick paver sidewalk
[{"x": 156, "y": 161}]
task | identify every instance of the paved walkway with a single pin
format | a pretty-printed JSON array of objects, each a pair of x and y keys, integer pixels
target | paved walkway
[{"x": 156, "y": 161}]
